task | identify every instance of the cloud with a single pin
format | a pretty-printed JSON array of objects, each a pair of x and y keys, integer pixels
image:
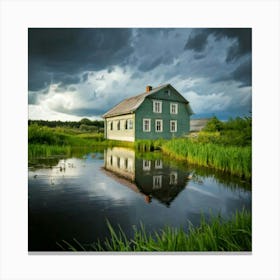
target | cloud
[
  {"x": 243, "y": 44},
  {"x": 166, "y": 58},
  {"x": 60, "y": 53},
  {"x": 242, "y": 74},
  {"x": 210, "y": 103},
  {"x": 197, "y": 41},
  {"x": 242, "y": 40},
  {"x": 84, "y": 72}
]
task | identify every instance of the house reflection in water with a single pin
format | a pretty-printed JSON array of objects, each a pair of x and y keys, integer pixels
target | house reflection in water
[{"x": 151, "y": 178}]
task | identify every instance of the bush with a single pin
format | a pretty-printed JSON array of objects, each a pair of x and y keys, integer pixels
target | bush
[
  {"x": 214, "y": 125},
  {"x": 234, "y": 132}
]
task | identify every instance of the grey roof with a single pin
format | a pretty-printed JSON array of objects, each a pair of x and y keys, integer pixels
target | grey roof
[
  {"x": 198, "y": 124},
  {"x": 129, "y": 105}
]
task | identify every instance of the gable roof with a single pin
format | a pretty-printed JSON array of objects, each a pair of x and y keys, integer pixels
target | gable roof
[{"x": 129, "y": 105}]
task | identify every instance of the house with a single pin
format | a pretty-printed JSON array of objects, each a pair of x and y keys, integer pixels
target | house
[
  {"x": 151, "y": 178},
  {"x": 160, "y": 112}
]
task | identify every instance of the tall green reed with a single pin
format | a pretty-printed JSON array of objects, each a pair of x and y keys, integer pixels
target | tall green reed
[
  {"x": 233, "y": 159},
  {"x": 216, "y": 235}
]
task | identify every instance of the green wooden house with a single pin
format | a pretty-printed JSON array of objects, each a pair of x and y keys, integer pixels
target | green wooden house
[{"x": 158, "y": 113}]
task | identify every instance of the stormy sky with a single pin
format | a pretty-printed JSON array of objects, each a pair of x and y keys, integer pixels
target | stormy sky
[{"x": 76, "y": 73}]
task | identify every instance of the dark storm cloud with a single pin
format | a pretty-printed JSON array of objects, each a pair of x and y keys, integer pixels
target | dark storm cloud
[
  {"x": 241, "y": 47},
  {"x": 93, "y": 69},
  {"x": 81, "y": 112},
  {"x": 197, "y": 40},
  {"x": 241, "y": 74},
  {"x": 155, "y": 31},
  {"x": 150, "y": 65},
  {"x": 68, "y": 51},
  {"x": 199, "y": 56}
]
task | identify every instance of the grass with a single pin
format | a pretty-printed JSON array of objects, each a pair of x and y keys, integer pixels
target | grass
[
  {"x": 217, "y": 235},
  {"x": 46, "y": 141},
  {"x": 233, "y": 159},
  {"x": 215, "y": 149},
  {"x": 38, "y": 150}
]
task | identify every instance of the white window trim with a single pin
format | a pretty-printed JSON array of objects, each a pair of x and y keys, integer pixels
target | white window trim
[
  {"x": 157, "y": 182},
  {"x": 158, "y": 164},
  {"x": 149, "y": 120},
  {"x": 173, "y": 178},
  {"x": 175, "y": 121},
  {"x": 176, "y": 110},
  {"x": 160, "y": 126},
  {"x": 160, "y": 106},
  {"x": 146, "y": 165}
]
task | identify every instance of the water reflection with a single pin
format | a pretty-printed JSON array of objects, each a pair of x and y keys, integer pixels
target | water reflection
[
  {"x": 71, "y": 198},
  {"x": 150, "y": 177}
]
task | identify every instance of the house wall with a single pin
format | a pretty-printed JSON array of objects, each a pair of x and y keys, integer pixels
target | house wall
[
  {"x": 121, "y": 161},
  {"x": 122, "y": 134},
  {"x": 145, "y": 111}
]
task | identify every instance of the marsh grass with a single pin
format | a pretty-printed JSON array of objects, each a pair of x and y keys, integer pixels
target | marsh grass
[
  {"x": 206, "y": 150},
  {"x": 148, "y": 145},
  {"x": 217, "y": 235},
  {"x": 46, "y": 141},
  {"x": 233, "y": 159},
  {"x": 39, "y": 150}
]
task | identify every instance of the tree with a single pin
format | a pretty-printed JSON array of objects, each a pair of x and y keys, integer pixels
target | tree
[
  {"x": 86, "y": 121},
  {"x": 214, "y": 125}
]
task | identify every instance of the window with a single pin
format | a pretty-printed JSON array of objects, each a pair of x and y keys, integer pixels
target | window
[
  {"x": 158, "y": 126},
  {"x": 173, "y": 178},
  {"x": 111, "y": 125},
  {"x": 118, "y": 125},
  {"x": 157, "y": 182},
  {"x": 146, "y": 165},
  {"x": 167, "y": 91},
  {"x": 173, "y": 126},
  {"x": 126, "y": 124},
  {"x": 173, "y": 108},
  {"x": 118, "y": 162},
  {"x": 125, "y": 163},
  {"x": 130, "y": 124},
  {"x": 158, "y": 164},
  {"x": 146, "y": 125},
  {"x": 157, "y": 106}
]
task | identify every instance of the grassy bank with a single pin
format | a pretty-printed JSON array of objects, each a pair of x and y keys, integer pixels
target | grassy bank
[
  {"x": 217, "y": 235},
  {"x": 232, "y": 159},
  {"x": 46, "y": 141},
  {"x": 223, "y": 146}
]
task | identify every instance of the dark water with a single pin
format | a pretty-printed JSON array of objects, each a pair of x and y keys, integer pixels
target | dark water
[{"x": 72, "y": 198}]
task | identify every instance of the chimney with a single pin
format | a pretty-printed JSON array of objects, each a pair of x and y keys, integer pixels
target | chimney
[{"x": 148, "y": 88}]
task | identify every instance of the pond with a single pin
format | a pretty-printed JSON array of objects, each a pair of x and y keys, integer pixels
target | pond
[{"x": 75, "y": 197}]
